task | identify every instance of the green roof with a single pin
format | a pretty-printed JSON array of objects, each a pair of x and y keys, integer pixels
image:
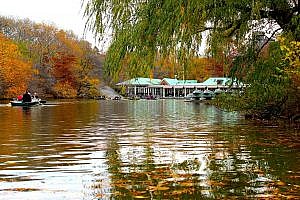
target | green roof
[
  {"x": 186, "y": 81},
  {"x": 216, "y": 81},
  {"x": 141, "y": 81},
  {"x": 171, "y": 81}
]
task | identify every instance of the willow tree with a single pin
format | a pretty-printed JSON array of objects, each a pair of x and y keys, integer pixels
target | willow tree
[{"x": 145, "y": 29}]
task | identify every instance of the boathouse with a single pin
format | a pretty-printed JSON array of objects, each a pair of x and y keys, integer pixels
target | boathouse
[{"x": 172, "y": 88}]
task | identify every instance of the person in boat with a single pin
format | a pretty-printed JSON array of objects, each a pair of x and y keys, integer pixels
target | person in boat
[
  {"x": 35, "y": 96},
  {"x": 20, "y": 97},
  {"x": 26, "y": 97}
]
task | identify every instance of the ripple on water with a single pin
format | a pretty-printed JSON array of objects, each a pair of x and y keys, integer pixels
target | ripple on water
[{"x": 143, "y": 149}]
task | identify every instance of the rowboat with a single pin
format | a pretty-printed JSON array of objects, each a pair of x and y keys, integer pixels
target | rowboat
[
  {"x": 34, "y": 102},
  {"x": 207, "y": 94},
  {"x": 197, "y": 95}
]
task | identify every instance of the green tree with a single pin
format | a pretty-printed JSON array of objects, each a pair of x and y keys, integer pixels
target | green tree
[{"x": 143, "y": 28}]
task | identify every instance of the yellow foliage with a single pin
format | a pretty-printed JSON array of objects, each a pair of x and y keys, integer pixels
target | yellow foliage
[
  {"x": 70, "y": 44},
  {"x": 64, "y": 90},
  {"x": 93, "y": 91},
  {"x": 292, "y": 52},
  {"x": 94, "y": 81},
  {"x": 198, "y": 68},
  {"x": 15, "y": 73},
  {"x": 89, "y": 87}
]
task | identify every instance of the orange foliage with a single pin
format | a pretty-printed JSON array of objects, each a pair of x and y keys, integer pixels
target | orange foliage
[
  {"x": 15, "y": 73},
  {"x": 197, "y": 68},
  {"x": 63, "y": 67},
  {"x": 203, "y": 68},
  {"x": 58, "y": 57}
]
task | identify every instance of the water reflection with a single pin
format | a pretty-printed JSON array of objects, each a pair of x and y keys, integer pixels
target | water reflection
[{"x": 160, "y": 149}]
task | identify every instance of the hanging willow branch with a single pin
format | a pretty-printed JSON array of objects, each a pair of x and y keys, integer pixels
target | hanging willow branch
[{"x": 143, "y": 29}]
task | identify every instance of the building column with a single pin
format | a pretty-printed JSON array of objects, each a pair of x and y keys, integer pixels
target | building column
[{"x": 174, "y": 91}]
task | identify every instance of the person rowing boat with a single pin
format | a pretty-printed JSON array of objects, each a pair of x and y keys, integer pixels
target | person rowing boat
[{"x": 26, "y": 97}]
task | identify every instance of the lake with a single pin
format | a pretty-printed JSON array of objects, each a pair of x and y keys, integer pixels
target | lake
[{"x": 146, "y": 149}]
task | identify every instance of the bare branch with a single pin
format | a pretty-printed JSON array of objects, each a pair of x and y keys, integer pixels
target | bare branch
[{"x": 269, "y": 39}]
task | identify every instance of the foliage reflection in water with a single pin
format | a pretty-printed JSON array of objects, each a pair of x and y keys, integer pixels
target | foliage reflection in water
[{"x": 163, "y": 149}]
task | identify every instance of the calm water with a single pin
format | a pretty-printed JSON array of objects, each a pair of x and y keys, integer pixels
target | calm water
[{"x": 164, "y": 149}]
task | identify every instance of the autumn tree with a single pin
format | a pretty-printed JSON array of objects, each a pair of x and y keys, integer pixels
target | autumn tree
[
  {"x": 81, "y": 62},
  {"x": 198, "y": 68},
  {"x": 61, "y": 60},
  {"x": 202, "y": 68},
  {"x": 15, "y": 72}
]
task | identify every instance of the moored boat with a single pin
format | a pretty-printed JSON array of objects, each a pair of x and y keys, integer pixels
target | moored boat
[
  {"x": 189, "y": 97},
  {"x": 197, "y": 95},
  {"x": 207, "y": 94}
]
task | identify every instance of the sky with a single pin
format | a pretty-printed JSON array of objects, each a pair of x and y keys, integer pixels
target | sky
[{"x": 64, "y": 14}]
